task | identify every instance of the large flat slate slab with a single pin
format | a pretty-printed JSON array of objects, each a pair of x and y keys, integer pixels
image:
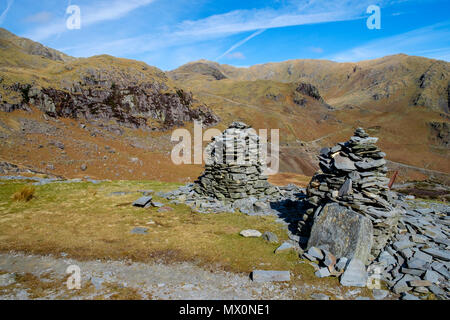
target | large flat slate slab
[
  {"x": 142, "y": 201},
  {"x": 270, "y": 275}
]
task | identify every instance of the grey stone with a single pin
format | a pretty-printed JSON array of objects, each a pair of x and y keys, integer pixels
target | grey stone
[
  {"x": 355, "y": 274},
  {"x": 343, "y": 232},
  {"x": 139, "y": 230},
  {"x": 319, "y": 296},
  {"x": 440, "y": 254},
  {"x": 7, "y": 279},
  {"x": 436, "y": 290},
  {"x": 270, "y": 237},
  {"x": 379, "y": 294},
  {"x": 403, "y": 244},
  {"x": 408, "y": 296},
  {"x": 309, "y": 257},
  {"x": 284, "y": 246},
  {"x": 322, "y": 272},
  {"x": 416, "y": 263},
  {"x": 316, "y": 253},
  {"x": 157, "y": 204},
  {"x": 402, "y": 285},
  {"x": 343, "y": 163},
  {"x": 346, "y": 188},
  {"x": 432, "y": 276},
  {"x": 142, "y": 201},
  {"x": 249, "y": 233},
  {"x": 341, "y": 264},
  {"x": 270, "y": 275}
]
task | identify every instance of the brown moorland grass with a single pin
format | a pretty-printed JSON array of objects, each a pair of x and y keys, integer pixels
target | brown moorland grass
[
  {"x": 86, "y": 222},
  {"x": 25, "y": 194}
]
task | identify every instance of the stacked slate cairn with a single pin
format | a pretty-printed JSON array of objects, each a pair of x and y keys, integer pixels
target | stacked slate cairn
[
  {"x": 234, "y": 178},
  {"x": 234, "y": 166},
  {"x": 353, "y": 174}
]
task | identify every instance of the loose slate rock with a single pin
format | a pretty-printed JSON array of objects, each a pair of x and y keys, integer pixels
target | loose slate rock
[
  {"x": 315, "y": 252},
  {"x": 285, "y": 246},
  {"x": 139, "y": 230},
  {"x": 322, "y": 272},
  {"x": 379, "y": 294},
  {"x": 355, "y": 274},
  {"x": 250, "y": 233},
  {"x": 142, "y": 201},
  {"x": 270, "y": 275},
  {"x": 7, "y": 279},
  {"x": 408, "y": 296},
  {"x": 319, "y": 296},
  {"x": 270, "y": 236}
]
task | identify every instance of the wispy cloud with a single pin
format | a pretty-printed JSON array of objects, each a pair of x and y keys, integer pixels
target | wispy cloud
[
  {"x": 316, "y": 49},
  {"x": 92, "y": 14},
  {"x": 40, "y": 17},
  {"x": 230, "y": 23},
  {"x": 405, "y": 42},
  {"x": 235, "y": 55},
  {"x": 5, "y": 12}
]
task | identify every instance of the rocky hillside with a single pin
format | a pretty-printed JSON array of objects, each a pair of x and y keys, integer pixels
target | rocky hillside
[
  {"x": 316, "y": 103},
  {"x": 101, "y": 87},
  {"x": 99, "y": 104},
  {"x": 415, "y": 81}
]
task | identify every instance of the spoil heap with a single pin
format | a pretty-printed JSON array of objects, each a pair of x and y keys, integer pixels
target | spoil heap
[
  {"x": 353, "y": 174},
  {"x": 234, "y": 166}
]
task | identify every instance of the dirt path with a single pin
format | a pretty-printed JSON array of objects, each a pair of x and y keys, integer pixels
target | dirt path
[{"x": 155, "y": 281}]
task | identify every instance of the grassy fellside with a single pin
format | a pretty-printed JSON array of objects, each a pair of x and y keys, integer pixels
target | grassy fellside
[{"x": 85, "y": 221}]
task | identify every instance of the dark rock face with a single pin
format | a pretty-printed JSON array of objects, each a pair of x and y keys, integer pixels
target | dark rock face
[
  {"x": 130, "y": 105},
  {"x": 342, "y": 232},
  {"x": 441, "y": 133},
  {"x": 309, "y": 90}
]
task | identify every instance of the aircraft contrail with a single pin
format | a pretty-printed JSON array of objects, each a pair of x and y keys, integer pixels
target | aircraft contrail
[
  {"x": 3, "y": 16},
  {"x": 240, "y": 43}
]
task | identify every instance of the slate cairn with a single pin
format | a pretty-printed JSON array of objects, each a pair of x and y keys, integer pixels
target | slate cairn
[
  {"x": 234, "y": 178},
  {"x": 353, "y": 174},
  {"x": 234, "y": 166}
]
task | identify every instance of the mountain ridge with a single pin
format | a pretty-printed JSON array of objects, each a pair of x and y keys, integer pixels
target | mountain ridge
[{"x": 313, "y": 103}]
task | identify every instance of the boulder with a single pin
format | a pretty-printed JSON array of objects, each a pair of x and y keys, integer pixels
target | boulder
[{"x": 342, "y": 232}]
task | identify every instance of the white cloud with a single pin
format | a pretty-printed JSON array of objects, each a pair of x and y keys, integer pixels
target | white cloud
[
  {"x": 222, "y": 25},
  {"x": 235, "y": 55},
  {"x": 103, "y": 11},
  {"x": 316, "y": 49},
  {"x": 40, "y": 17},
  {"x": 405, "y": 42}
]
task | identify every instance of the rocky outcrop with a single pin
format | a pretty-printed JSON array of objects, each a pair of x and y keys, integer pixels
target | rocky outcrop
[
  {"x": 130, "y": 105},
  {"x": 309, "y": 90},
  {"x": 440, "y": 133}
]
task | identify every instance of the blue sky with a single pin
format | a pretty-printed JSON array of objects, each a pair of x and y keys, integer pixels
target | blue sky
[{"x": 169, "y": 33}]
